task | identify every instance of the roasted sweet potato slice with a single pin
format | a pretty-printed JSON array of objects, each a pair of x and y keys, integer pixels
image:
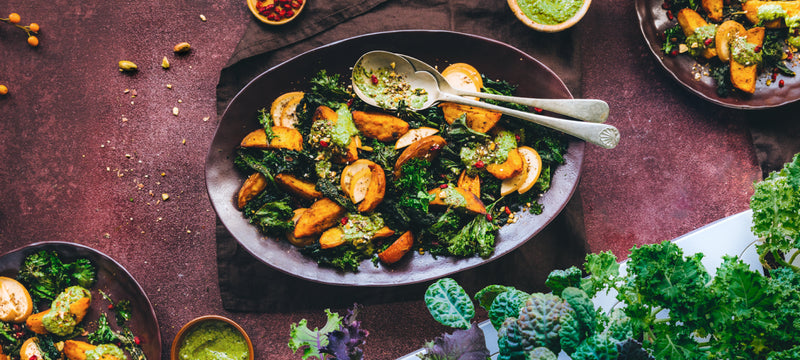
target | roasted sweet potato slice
[
  {"x": 426, "y": 148},
  {"x": 299, "y": 187},
  {"x": 284, "y": 138},
  {"x": 471, "y": 183},
  {"x": 510, "y": 168},
  {"x": 80, "y": 307},
  {"x": 743, "y": 77},
  {"x": 322, "y": 215},
  {"x": 750, "y": 9},
  {"x": 376, "y": 189},
  {"x": 413, "y": 136},
  {"x": 76, "y": 350},
  {"x": 459, "y": 198},
  {"x": 463, "y": 76},
  {"x": 383, "y": 232},
  {"x": 331, "y": 238},
  {"x": 34, "y": 322},
  {"x": 376, "y": 125},
  {"x": 690, "y": 20},
  {"x": 478, "y": 119},
  {"x": 284, "y": 109},
  {"x": 726, "y": 32},
  {"x": 713, "y": 9},
  {"x": 299, "y": 242},
  {"x": 251, "y": 187},
  {"x": 398, "y": 249}
]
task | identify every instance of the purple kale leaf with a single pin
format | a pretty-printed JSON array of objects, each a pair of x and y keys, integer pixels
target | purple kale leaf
[
  {"x": 343, "y": 344},
  {"x": 460, "y": 345}
]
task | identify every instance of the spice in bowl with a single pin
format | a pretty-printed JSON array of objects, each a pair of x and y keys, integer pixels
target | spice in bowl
[
  {"x": 211, "y": 338},
  {"x": 549, "y": 15}
]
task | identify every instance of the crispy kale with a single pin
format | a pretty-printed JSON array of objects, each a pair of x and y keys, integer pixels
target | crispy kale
[
  {"x": 45, "y": 275},
  {"x": 271, "y": 215},
  {"x": 477, "y": 237},
  {"x": 103, "y": 334},
  {"x": 124, "y": 337},
  {"x": 344, "y": 257}
]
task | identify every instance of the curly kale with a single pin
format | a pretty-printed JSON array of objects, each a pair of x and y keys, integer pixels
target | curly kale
[
  {"x": 45, "y": 275},
  {"x": 103, "y": 334},
  {"x": 673, "y": 36},
  {"x": 343, "y": 344},
  {"x": 271, "y": 162},
  {"x": 598, "y": 347},
  {"x": 271, "y": 214},
  {"x": 558, "y": 280},
  {"x": 776, "y": 212},
  {"x": 585, "y": 313},
  {"x": 477, "y": 237},
  {"x": 462, "y": 344},
  {"x": 344, "y": 257}
]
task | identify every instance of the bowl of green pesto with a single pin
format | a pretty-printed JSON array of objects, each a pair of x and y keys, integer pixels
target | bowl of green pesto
[
  {"x": 549, "y": 15},
  {"x": 212, "y": 337}
]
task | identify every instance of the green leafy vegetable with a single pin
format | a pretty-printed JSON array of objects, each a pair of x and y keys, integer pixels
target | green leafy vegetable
[
  {"x": 45, "y": 275},
  {"x": 506, "y": 305},
  {"x": 449, "y": 303},
  {"x": 776, "y": 213},
  {"x": 558, "y": 280},
  {"x": 311, "y": 341},
  {"x": 486, "y": 296},
  {"x": 467, "y": 344},
  {"x": 477, "y": 237},
  {"x": 103, "y": 334}
]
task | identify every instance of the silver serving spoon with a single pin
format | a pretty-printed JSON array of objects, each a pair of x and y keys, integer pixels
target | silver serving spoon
[{"x": 439, "y": 90}]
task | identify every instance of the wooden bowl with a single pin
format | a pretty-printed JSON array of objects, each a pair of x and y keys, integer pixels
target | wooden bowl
[
  {"x": 176, "y": 343},
  {"x": 548, "y": 27},
  {"x": 252, "y": 5}
]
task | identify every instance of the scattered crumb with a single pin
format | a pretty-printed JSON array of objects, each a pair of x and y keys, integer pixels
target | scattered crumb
[
  {"x": 203, "y": 17},
  {"x": 175, "y": 111}
]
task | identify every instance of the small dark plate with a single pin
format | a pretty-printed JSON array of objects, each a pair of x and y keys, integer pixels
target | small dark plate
[
  {"x": 112, "y": 279},
  {"x": 495, "y": 59},
  {"x": 653, "y": 21}
]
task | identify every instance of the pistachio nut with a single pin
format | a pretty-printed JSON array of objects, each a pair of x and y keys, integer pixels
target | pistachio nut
[
  {"x": 125, "y": 65},
  {"x": 165, "y": 63},
  {"x": 182, "y": 48}
]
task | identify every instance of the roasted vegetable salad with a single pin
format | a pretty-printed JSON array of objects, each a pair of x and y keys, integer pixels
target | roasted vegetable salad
[{"x": 345, "y": 182}]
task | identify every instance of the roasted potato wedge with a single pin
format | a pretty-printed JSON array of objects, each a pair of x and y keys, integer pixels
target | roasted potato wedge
[
  {"x": 299, "y": 187},
  {"x": 80, "y": 307},
  {"x": 76, "y": 350},
  {"x": 478, "y": 119},
  {"x": 376, "y": 125},
  {"x": 331, "y": 238},
  {"x": 744, "y": 77},
  {"x": 284, "y": 109},
  {"x": 510, "y": 168},
  {"x": 322, "y": 215},
  {"x": 750, "y": 9},
  {"x": 30, "y": 349},
  {"x": 471, "y": 183},
  {"x": 459, "y": 198},
  {"x": 427, "y": 148},
  {"x": 726, "y": 32},
  {"x": 376, "y": 189},
  {"x": 534, "y": 168},
  {"x": 713, "y": 9},
  {"x": 284, "y": 138},
  {"x": 413, "y": 136},
  {"x": 383, "y": 232},
  {"x": 398, "y": 249},
  {"x": 325, "y": 113},
  {"x": 254, "y": 185},
  {"x": 365, "y": 183},
  {"x": 690, "y": 20},
  {"x": 299, "y": 242},
  {"x": 34, "y": 322}
]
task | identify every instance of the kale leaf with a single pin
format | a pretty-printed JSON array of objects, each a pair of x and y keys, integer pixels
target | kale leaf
[
  {"x": 449, "y": 304},
  {"x": 462, "y": 344},
  {"x": 558, "y": 280},
  {"x": 45, "y": 275},
  {"x": 776, "y": 212},
  {"x": 343, "y": 344},
  {"x": 477, "y": 237}
]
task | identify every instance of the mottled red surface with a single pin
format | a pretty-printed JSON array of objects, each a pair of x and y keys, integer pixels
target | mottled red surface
[{"x": 80, "y": 157}]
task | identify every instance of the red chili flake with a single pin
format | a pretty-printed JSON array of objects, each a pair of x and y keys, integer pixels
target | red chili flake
[
  {"x": 110, "y": 306},
  {"x": 323, "y": 143},
  {"x": 789, "y": 55},
  {"x": 708, "y": 41},
  {"x": 345, "y": 220},
  {"x": 19, "y": 334},
  {"x": 507, "y": 210},
  {"x": 674, "y": 52},
  {"x": 516, "y": 137},
  {"x": 443, "y": 186},
  {"x": 489, "y": 217},
  {"x": 669, "y": 15},
  {"x": 757, "y": 49},
  {"x": 374, "y": 80},
  {"x": 136, "y": 340},
  {"x": 350, "y": 102},
  {"x": 780, "y": 83},
  {"x": 479, "y": 164},
  {"x": 538, "y": 110}
]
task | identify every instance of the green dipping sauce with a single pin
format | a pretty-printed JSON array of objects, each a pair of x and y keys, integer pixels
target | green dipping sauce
[
  {"x": 388, "y": 88},
  {"x": 214, "y": 340},
  {"x": 550, "y": 12},
  {"x": 105, "y": 350}
]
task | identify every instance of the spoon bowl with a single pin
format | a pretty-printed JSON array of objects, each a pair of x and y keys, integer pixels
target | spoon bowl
[{"x": 382, "y": 78}]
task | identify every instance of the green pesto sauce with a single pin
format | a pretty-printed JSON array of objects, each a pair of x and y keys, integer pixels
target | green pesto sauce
[
  {"x": 550, "y": 12},
  {"x": 769, "y": 12},
  {"x": 344, "y": 129},
  {"x": 793, "y": 22},
  {"x": 697, "y": 41},
  {"x": 794, "y": 41},
  {"x": 105, "y": 349},
  {"x": 744, "y": 53},
  {"x": 452, "y": 197},
  {"x": 493, "y": 152},
  {"x": 59, "y": 320},
  {"x": 360, "y": 229},
  {"x": 391, "y": 88},
  {"x": 214, "y": 340}
]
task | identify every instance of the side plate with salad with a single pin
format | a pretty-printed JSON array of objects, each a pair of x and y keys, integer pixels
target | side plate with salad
[{"x": 441, "y": 48}]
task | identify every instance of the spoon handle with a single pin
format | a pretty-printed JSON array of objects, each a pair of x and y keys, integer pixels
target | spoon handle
[
  {"x": 591, "y": 110},
  {"x": 603, "y": 135}
]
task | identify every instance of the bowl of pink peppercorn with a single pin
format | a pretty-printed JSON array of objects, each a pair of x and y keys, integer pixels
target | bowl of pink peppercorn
[{"x": 276, "y": 12}]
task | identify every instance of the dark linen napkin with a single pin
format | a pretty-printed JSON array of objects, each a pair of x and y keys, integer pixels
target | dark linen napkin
[
  {"x": 248, "y": 285},
  {"x": 776, "y": 135}
]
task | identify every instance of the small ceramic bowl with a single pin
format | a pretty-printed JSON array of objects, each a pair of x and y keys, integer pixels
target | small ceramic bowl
[
  {"x": 254, "y": 8},
  {"x": 548, "y": 27},
  {"x": 176, "y": 343}
]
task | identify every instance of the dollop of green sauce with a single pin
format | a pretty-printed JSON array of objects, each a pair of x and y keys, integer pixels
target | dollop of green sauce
[
  {"x": 743, "y": 52},
  {"x": 214, "y": 340},
  {"x": 494, "y": 152},
  {"x": 697, "y": 41},
  {"x": 105, "y": 349},
  {"x": 389, "y": 89},
  {"x": 360, "y": 229},
  {"x": 452, "y": 197},
  {"x": 550, "y": 12},
  {"x": 769, "y": 12},
  {"x": 344, "y": 129},
  {"x": 59, "y": 320}
]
